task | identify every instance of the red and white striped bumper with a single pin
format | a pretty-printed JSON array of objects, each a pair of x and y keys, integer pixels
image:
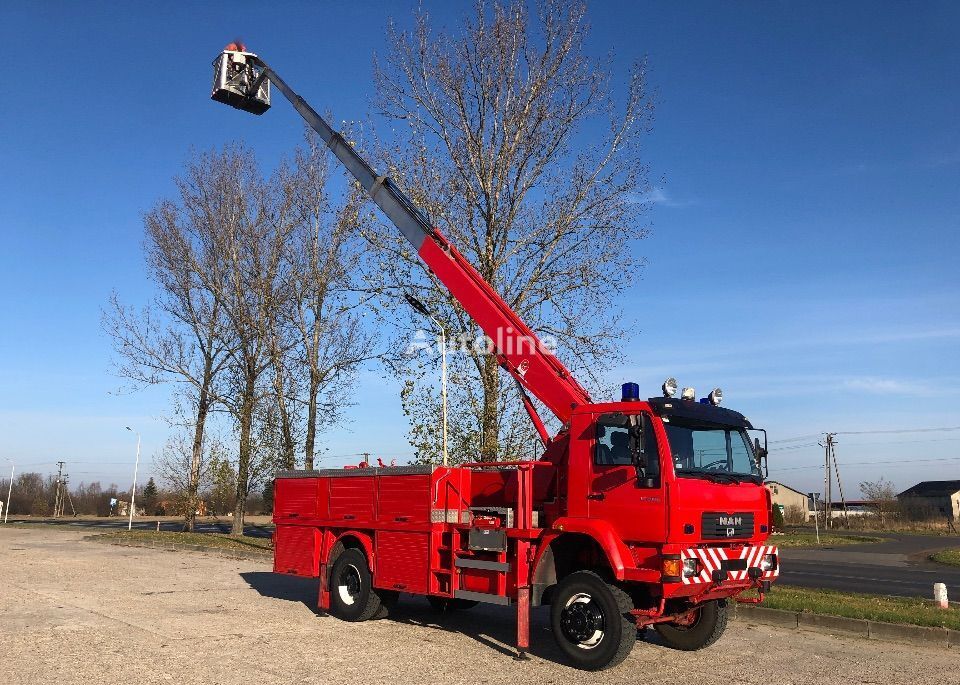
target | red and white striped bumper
[{"x": 711, "y": 559}]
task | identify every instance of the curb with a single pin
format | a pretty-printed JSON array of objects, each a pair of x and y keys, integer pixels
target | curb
[
  {"x": 901, "y": 633},
  {"x": 181, "y": 547}
]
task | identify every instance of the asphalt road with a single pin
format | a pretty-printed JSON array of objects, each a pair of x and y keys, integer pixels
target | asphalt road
[
  {"x": 76, "y": 613},
  {"x": 118, "y": 523},
  {"x": 897, "y": 566}
]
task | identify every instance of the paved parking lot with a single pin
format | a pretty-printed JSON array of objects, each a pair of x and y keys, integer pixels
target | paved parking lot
[{"x": 76, "y": 612}]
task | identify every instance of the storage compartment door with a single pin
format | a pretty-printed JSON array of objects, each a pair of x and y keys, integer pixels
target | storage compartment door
[
  {"x": 296, "y": 551},
  {"x": 402, "y": 561}
]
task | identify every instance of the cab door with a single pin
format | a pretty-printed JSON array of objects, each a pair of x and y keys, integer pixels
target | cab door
[{"x": 634, "y": 505}]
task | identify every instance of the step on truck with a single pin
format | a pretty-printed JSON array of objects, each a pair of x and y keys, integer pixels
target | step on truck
[{"x": 638, "y": 513}]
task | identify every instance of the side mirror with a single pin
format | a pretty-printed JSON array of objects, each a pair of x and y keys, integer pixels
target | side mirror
[
  {"x": 763, "y": 461},
  {"x": 637, "y": 454}
]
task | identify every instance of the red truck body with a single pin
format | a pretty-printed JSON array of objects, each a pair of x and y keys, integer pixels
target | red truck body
[{"x": 508, "y": 533}]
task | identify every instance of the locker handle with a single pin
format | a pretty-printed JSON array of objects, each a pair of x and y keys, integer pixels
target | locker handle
[
  {"x": 401, "y": 519},
  {"x": 349, "y": 516}
]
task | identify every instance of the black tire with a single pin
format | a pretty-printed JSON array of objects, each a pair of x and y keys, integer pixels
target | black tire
[
  {"x": 707, "y": 627},
  {"x": 352, "y": 597},
  {"x": 445, "y": 604},
  {"x": 591, "y": 621},
  {"x": 388, "y": 602}
]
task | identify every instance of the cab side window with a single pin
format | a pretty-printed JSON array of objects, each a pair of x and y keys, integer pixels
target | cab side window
[
  {"x": 615, "y": 446},
  {"x": 612, "y": 446},
  {"x": 651, "y": 449}
]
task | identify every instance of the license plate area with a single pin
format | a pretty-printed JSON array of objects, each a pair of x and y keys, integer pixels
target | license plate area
[{"x": 733, "y": 565}]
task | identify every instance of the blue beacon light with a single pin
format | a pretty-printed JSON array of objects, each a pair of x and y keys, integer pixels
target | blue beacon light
[{"x": 630, "y": 392}]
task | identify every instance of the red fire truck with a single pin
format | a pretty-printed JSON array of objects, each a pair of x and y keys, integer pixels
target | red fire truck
[{"x": 638, "y": 513}]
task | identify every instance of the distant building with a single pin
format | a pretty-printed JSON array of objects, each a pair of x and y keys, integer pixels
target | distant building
[
  {"x": 788, "y": 498},
  {"x": 932, "y": 498}
]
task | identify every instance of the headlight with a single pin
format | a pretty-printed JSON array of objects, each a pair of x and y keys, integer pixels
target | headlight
[
  {"x": 670, "y": 387},
  {"x": 691, "y": 568},
  {"x": 768, "y": 563}
]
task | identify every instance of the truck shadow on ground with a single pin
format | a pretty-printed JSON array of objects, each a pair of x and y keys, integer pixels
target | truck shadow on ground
[
  {"x": 492, "y": 626},
  {"x": 289, "y": 588}
]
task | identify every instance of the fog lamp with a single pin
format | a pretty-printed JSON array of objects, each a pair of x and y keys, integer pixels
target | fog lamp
[
  {"x": 768, "y": 563},
  {"x": 670, "y": 387},
  {"x": 691, "y": 568}
]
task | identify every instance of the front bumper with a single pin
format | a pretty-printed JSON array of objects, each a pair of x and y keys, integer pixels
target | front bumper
[{"x": 722, "y": 564}]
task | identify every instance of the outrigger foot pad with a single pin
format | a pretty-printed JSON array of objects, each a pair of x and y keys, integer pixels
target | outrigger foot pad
[{"x": 521, "y": 656}]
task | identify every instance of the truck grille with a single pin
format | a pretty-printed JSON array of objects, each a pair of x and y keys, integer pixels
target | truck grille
[{"x": 715, "y": 525}]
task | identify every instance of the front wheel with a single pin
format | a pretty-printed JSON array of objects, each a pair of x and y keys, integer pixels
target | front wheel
[
  {"x": 591, "y": 621},
  {"x": 706, "y": 626}
]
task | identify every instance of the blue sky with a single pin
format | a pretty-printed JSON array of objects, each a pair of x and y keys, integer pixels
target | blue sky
[{"x": 806, "y": 159}]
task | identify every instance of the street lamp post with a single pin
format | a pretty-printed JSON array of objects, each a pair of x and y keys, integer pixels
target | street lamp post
[
  {"x": 133, "y": 490},
  {"x": 6, "y": 508},
  {"x": 422, "y": 309}
]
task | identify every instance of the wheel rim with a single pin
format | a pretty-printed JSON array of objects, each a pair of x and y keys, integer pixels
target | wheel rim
[
  {"x": 582, "y": 621},
  {"x": 348, "y": 584}
]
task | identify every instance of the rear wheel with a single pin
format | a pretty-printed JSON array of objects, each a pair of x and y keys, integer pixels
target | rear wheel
[
  {"x": 706, "y": 626},
  {"x": 591, "y": 621},
  {"x": 352, "y": 597}
]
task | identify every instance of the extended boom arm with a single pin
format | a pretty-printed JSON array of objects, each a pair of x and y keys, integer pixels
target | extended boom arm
[{"x": 516, "y": 346}]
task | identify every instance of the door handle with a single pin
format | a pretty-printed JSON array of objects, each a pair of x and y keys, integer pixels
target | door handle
[{"x": 596, "y": 496}]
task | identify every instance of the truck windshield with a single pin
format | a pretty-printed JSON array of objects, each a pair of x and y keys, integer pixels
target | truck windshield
[{"x": 710, "y": 451}]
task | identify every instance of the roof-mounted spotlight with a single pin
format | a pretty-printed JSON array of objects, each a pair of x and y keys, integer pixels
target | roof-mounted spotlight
[
  {"x": 670, "y": 387},
  {"x": 715, "y": 397},
  {"x": 689, "y": 394}
]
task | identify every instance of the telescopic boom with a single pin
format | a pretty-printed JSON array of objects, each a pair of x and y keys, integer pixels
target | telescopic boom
[{"x": 240, "y": 82}]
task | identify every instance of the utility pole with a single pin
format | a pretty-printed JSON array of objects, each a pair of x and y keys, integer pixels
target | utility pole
[
  {"x": 836, "y": 469},
  {"x": 56, "y": 498},
  {"x": 66, "y": 491},
  {"x": 6, "y": 509},
  {"x": 827, "y": 446}
]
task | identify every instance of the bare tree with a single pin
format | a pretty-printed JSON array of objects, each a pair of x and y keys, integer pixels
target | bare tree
[
  {"x": 488, "y": 119},
  {"x": 182, "y": 337},
  {"x": 185, "y": 473},
  {"x": 882, "y": 496},
  {"x": 331, "y": 340},
  {"x": 250, "y": 236}
]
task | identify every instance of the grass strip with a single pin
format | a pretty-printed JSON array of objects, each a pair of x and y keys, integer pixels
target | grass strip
[
  {"x": 913, "y": 611},
  {"x": 947, "y": 556},
  {"x": 826, "y": 540},
  {"x": 216, "y": 540}
]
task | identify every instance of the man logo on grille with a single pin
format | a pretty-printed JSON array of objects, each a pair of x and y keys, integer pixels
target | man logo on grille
[{"x": 731, "y": 532}]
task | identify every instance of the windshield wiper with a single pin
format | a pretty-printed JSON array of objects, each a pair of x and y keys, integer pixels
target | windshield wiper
[{"x": 720, "y": 477}]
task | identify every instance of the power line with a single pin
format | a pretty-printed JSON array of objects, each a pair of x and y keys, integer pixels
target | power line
[
  {"x": 899, "y": 430},
  {"x": 901, "y": 462},
  {"x": 796, "y": 439}
]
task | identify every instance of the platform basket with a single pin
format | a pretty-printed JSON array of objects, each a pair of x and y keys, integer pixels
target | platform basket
[{"x": 233, "y": 74}]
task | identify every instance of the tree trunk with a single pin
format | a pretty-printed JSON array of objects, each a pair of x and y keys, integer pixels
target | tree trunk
[
  {"x": 489, "y": 423},
  {"x": 286, "y": 430},
  {"x": 243, "y": 466},
  {"x": 196, "y": 456},
  {"x": 311, "y": 421}
]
